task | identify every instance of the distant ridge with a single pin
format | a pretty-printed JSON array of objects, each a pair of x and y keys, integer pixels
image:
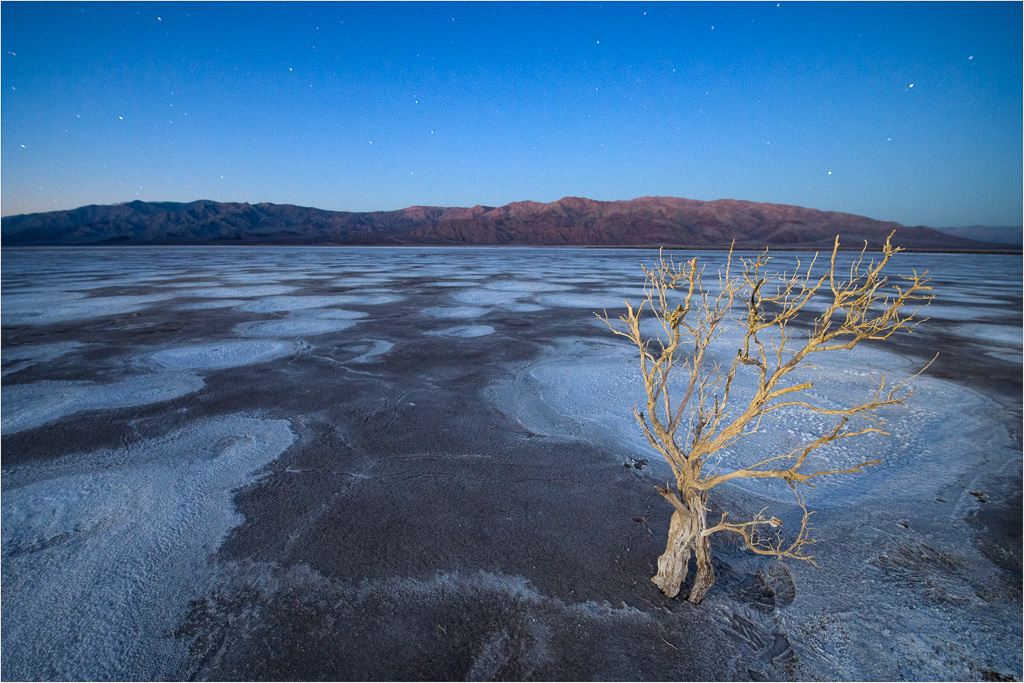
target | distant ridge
[
  {"x": 647, "y": 221},
  {"x": 1003, "y": 234}
]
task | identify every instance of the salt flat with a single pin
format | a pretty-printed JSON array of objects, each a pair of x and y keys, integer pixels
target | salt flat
[{"x": 408, "y": 463}]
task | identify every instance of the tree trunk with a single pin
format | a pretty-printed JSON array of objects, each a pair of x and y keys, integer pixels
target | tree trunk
[
  {"x": 685, "y": 537},
  {"x": 705, "y": 570}
]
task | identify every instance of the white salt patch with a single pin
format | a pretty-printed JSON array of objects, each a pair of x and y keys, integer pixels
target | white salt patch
[
  {"x": 22, "y": 357},
  {"x": 581, "y": 390},
  {"x": 587, "y": 390},
  {"x": 486, "y": 297},
  {"x": 345, "y": 267},
  {"x": 379, "y": 348},
  {"x": 240, "y": 292},
  {"x": 208, "y": 283},
  {"x": 965, "y": 312},
  {"x": 526, "y": 286},
  {"x": 293, "y": 303},
  {"x": 524, "y": 308},
  {"x": 19, "y": 312},
  {"x": 361, "y": 280},
  {"x": 651, "y": 328},
  {"x": 335, "y": 314},
  {"x": 374, "y": 299},
  {"x": 163, "y": 275},
  {"x": 296, "y": 327},
  {"x": 38, "y": 352},
  {"x": 634, "y": 294},
  {"x": 466, "y": 331},
  {"x": 86, "y": 285},
  {"x": 216, "y": 303},
  {"x": 228, "y": 354},
  {"x": 77, "y": 285},
  {"x": 26, "y": 406},
  {"x": 582, "y": 280},
  {"x": 595, "y": 302},
  {"x": 1001, "y": 334},
  {"x": 103, "y": 552},
  {"x": 256, "y": 278},
  {"x": 455, "y": 311},
  {"x": 39, "y": 299}
]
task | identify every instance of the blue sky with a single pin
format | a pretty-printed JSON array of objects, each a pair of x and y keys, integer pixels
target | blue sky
[{"x": 899, "y": 111}]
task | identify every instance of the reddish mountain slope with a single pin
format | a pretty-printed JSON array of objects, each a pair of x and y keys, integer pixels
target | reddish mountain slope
[
  {"x": 664, "y": 220},
  {"x": 647, "y": 221}
]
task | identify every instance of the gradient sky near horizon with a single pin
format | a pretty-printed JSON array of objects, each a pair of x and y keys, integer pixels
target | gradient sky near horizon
[{"x": 899, "y": 111}]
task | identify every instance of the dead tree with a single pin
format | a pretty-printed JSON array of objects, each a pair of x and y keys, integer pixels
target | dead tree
[{"x": 694, "y": 431}]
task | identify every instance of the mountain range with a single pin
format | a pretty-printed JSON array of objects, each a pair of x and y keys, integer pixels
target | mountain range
[
  {"x": 1003, "y": 234},
  {"x": 647, "y": 221}
]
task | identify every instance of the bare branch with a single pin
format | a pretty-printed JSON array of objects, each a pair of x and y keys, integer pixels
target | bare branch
[{"x": 762, "y": 544}]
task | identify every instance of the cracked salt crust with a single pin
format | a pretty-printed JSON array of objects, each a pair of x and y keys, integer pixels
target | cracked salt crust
[
  {"x": 578, "y": 389},
  {"x": 592, "y": 301},
  {"x": 294, "y": 303},
  {"x": 219, "y": 356},
  {"x": 22, "y": 357},
  {"x": 205, "y": 305},
  {"x": 101, "y": 562},
  {"x": 455, "y": 311},
  {"x": 526, "y": 286},
  {"x": 26, "y": 406},
  {"x": 379, "y": 348},
  {"x": 240, "y": 292},
  {"x": 292, "y": 328},
  {"x": 481, "y": 297},
  {"x": 466, "y": 331},
  {"x": 25, "y": 309},
  {"x": 1001, "y": 334}
]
